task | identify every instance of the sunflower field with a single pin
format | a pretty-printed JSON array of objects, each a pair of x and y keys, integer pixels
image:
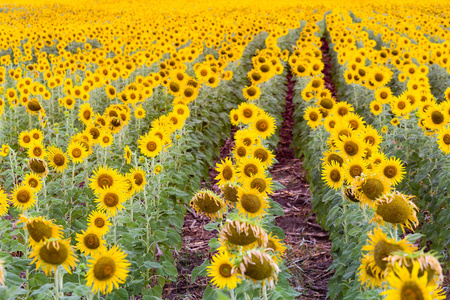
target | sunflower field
[{"x": 123, "y": 121}]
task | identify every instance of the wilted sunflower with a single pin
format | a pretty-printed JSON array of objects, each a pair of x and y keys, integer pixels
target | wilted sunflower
[
  {"x": 252, "y": 203},
  {"x": 38, "y": 166},
  {"x": 105, "y": 177},
  {"x": 57, "y": 159},
  {"x": 99, "y": 221},
  {"x": 52, "y": 253},
  {"x": 333, "y": 175},
  {"x": 4, "y": 206},
  {"x": 107, "y": 270},
  {"x": 40, "y": 229},
  {"x": 33, "y": 181},
  {"x": 235, "y": 234},
  {"x": 110, "y": 200},
  {"x": 227, "y": 172},
  {"x": 207, "y": 203},
  {"x": 397, "y": 209},
  {"x": 230, "y": 193},
  {"x": 90, "y": 242},
  {"x": 276, "y": 247},
  {"x": 258, "y": 265},
  {"x": 264, "y": 125},
  {"x": 23, "y": 197},
  {"x": 406, "y": 284},
  {"x": 369, "y": 187},
  {"x": 223, "y": 272},
  {"x": 381, "y": 247}
]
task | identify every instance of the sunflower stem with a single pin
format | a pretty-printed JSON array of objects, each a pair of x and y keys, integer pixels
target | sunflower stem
[
  {"x": 264, "y": 291},
  {"x": 56, "y": 284}
]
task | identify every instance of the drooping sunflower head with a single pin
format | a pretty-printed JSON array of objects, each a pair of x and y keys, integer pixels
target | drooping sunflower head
[
  {"x": 397, "y": 209},
  {"x": 258, "y": 265},
  {"x": 380, "y": 247},
  {"x": 40, "y": 229},
  {"x": 223, "y": 271},
  {"x": 206, "y": 202},
  {"x": 369, "y": 187},
  {"x": 236, "y": 233},
  {"x": 230, "y": 193},
  {"x": 53, "y": 253}
]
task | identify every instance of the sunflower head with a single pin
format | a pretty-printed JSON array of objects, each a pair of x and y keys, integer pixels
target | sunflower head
[
  {"x": 209, "y": 204},
  {"x": 251, "y": 203},
  {"x": 53, "y": 253},
  {"x": 230, "y": 193},
  {"x": 240, "y": 233},
  {"x": 39, "y": 166},
  {"x": 368, "y": 188},
  {"x": 223, "y": 271},
  {"x": 40, "y": 229},
  {"x": 258, "y": 266}
]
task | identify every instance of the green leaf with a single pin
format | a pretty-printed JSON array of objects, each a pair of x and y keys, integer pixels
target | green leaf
[{"x": 200, "y": 270}]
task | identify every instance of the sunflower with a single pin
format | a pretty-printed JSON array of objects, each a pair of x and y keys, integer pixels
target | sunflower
[
  {"x": 342, "y": 108},
  {"x": 330, "y": 122},
  {"x": 36, "y": 150},
  {"x": 230, "y": 193},
  {"x": 110, "y": 200},
  {"x": 227, "y": 172},
  {"x": 234, "y": 117},
  {"x": 353, "y": 168},
  {"x": 251, "y": 203},
  {"x": 392, "y": 169},
  {"x": 248, "y": 112},
  {"x": 98, "y": 220},
  {"x": 383, "y": 95},
  {"x": 313, "y": 116},
  {"x": 276, "y": 247},
  {"x": 105, "y": 177},
  {"x": 261, "y": 182},
  {"x": 208, "y": 203},
  {"x": 107, "y": 270},
  {"x": 110, "y": 91},
  {"x": 150, "y": 145},
  {"x": 235, "y": 234},
  {"x": 40, "y": 229},
  {"x": 139, "y": 113},
  {"x": 435, "y": 119},
  {"x": 351, "y": 147},
  {"x": 333, "y": 175},
  {"x": 330, "y": 156},
  {"x": 371, "y": 136},
  {"x": 90, "y": 242},
  {"x": 264, "y": 125},
  {"x": 4, "y": 206},
  {"x": 37, "y": 135},
  {"x": 86, "y": 113},
  {"x": 427, "y": 261},
  {"x": 248, "y": 167},
  {"x": 33, "y": 181},
  {"x": 52, "y": 253},
  {"x": 444, "y": 139},
  {"x": 369, "y": 187},
  {"x": 106, "y": 139},
  {"x": 57, "y": 159},
  {"x": 265, "y": 155},
  {"x": 23, "y": 197},
  {"x": 400, "y": 106},
  {"x": 246, "y": 137},
  {"x": 340, "y": 130},
  {"x": 223, "y": 272},
  {"x": 77, "y": 152},
  {"x": 370, "y": 275},
  {"x": 406, "y": 284},
  {"x": 251, "y": 93},
  {"x": 258, "y": 265},
  {"x": 25, "y": 139},
  {"x": 139, "y": 180},
  {"x": 380, "y": 247},
  {"x": 38, "y": 166},
  {"x": 127, "y": 154},
  {"x": 397, "y": 209}
]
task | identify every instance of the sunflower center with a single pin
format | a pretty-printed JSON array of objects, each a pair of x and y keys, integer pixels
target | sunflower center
[
  {"x": 33, "y": 182},
  {"x": 373, "y": 188},
  {"x": 351, "y": 148},
  {"x": 207, "y": 203},
  {"x": 437, "y": 117},
  {"x": 382, "y": 250},
  {"x": 138, "y": 179},
  {"x": 313, "y": 116},
  {"x": 251, "y": 203},
  {"x": 54, "y": 255},
  {"x": 241, "y": 151},
  {"x": 34, "y": 106},
  {"x": 23, "y": 196},
  {"x": 76, "y": 152},
  {"x": 259, "y": 184},
  {"x": 227, "y": 173},
  {"x": 87, "y": 114},
  {"x": 95, "y": 133},
  {"x": 396, "y": 211},
  {"x": 99, "y": 222},
  {"x": 354, "y": 124},
  {"x": 111, "y": 199},
  {"x": 37, "y": 166},
  {"x": 225, "y": 270},
  {"x": 38, "y": 230},
  {"x": 401, "y": 105},
  {"x": 59, "y": 159},
  {"x": 355, "y": 170},
  {"x": 230, "y": 193},
  {"x": 188, "y": 92},
  {"x": 326, "y": 103},
  {"x": 250, "y": 169},
  {"x": 446, "y": 139},
  {"x": 91, "y": 241},
  {"x": 105, "y": 180},
  {"x": 383, "y": 95},
  {"x": 262, "y": 125},
  {"x": 26, "y": 139},
  {"x": 258, "y": 269},
  {"x": 247, "y": 141},
  {"x": 336, "y": 158},
  {"x": 411, "y": 291},
  {"x": 261, "y": 154},
  {"x": 204, "y": 72},
  {"x": 240, "y": 238},
  {"x": 370, "y": 140},
  {"x": 390, "y": 171},
  {"x": 342, "y": 111},
  {"x": 379, "y": 77},
  {"x": 247, "y": 113},
  {"x": 332, "y": 124},
  {"x": 174, "y": 87},
  {"x": 151, "y": 146},
  {"x": 104, "y": 269}
]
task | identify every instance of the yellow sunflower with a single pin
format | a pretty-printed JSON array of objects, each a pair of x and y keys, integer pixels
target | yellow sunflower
[
  {"x": 263, "y": 154},
  {"x": 248, "y": 112},
  {"x": 110, "y": 200},
  {"x": 251, "y": 203},
  {"x": 106, "y": 139},
  {"x": 33, "y": 181},
  {"x": 351, "y": 147},
  {"x": 77, "y": 152},
  {"x": 248, "y": 167},
  {"x": 40, "y": 229},
  {"x": 234, "y": 117},
  {"x": 107, "y": 270},
  {"x": 90, "y": 242},
  {"x": 99, "y": 221},
  {"x": 227, "y": 172},
  {"x": 127, "y": 154},
  {"x": 53, "y": 253},
  {"x": 4, "y": 206},
  {"x": 106, "y": 177},
  {"x": 369, "y": 187},
  {"x": 208, "y": 203},
  {"x": 333, "y": 175},
  {"x": 264, "y": 125},
  {"x": 370, "y": 275},
  {"x": 37, "y": 135},
  {"x": 444, "y": 139},
  {"x": 276, "y": 247},
  {"x": 252, "y": 92},
  {"x": 23, "y": 197},
  {"x": 353, "y": 168},
  {"x": 36, "y": 150},
  {"x": 57, "y": 159},
  {"x": 139, "y": 178},
  {"x": 223, "y": 272},
  {"x": 230, "y": 193},
  {"x": 150, "y": 145},
  {"x": 261, "y": 182},
  {"x": 392, "y": 169},
  {"x": 25, "y": 139}
]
